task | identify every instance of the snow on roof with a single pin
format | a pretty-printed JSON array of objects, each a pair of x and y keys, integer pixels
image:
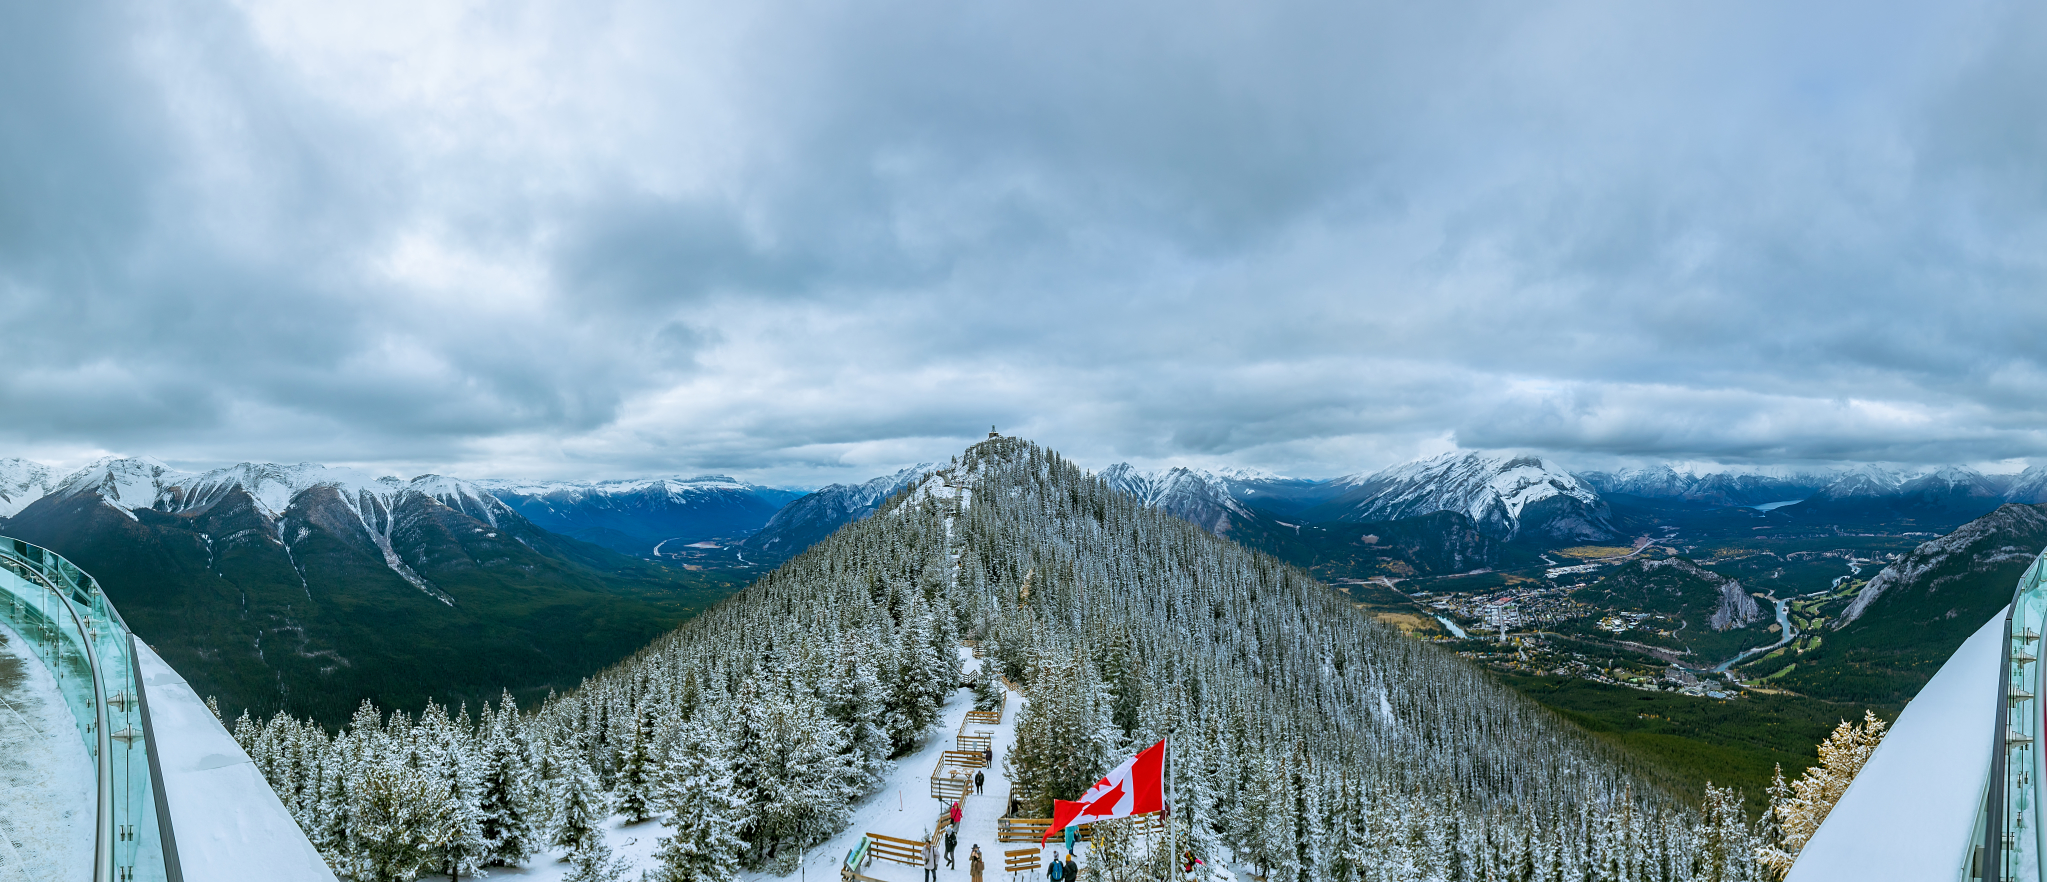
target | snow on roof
[
  {"x": 1911, "y": 812},
  {"x": 227, "y": 822}
]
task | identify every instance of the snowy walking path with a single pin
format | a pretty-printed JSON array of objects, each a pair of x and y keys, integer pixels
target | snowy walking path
[
  {"x": 903, "y": 808},
  {"x": 46, "y": 777}
]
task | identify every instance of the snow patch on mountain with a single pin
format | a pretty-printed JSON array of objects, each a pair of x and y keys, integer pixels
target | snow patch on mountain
[
  {"x": 677, "y": 489},
  {"x": 2028, "y": 487},
  {"x": 22, "y": 482},
  {"x": 1494, "y": 490},
  {"x": 123, "y": 483}
]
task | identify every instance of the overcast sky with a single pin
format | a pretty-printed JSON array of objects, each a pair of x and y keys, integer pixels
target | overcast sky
[{"x": 809, "y": 241}]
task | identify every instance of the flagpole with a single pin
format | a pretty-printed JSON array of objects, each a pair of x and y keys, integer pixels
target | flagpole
[{"x": 1172, "y": 833}]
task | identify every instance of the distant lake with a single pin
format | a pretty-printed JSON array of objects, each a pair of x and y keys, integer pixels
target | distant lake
[{"x": 1767, "y": 506}]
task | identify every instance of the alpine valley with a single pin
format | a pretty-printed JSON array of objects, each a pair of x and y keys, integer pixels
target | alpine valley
[{"x": 1717, "y": 622}]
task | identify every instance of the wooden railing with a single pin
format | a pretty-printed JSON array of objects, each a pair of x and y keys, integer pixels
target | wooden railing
[
  {"x": 965, "y": 759},
  {"x": 1033, "y": 829},
  {"x": 901, "y": 851}
]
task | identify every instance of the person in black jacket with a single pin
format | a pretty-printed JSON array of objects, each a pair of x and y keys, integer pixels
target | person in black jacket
[
  {"x": 952, "y": 841},
  {"x": 979, "y": 779},
  {"x": 1072, "y": 869}
]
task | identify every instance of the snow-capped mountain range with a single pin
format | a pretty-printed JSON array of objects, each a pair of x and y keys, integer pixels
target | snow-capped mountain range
[
  {"x": 1200, "y": 497},
  {"x": 1504, "y": 495},
  {"x": 639, "y": 515},
  {"x": 1720, "y": 487}
]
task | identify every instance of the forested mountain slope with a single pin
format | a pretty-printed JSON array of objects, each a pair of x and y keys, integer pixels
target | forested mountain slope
[
  {"x": 309, "y": 589},
  {"x": 1906, "y": 622},
  {"x": 1311, "y": 742}
]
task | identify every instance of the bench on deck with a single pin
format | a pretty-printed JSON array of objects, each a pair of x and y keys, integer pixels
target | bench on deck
[{"x": 1021, "y": 860}]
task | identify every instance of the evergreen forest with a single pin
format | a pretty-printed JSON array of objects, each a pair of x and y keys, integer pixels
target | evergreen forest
[{"x": 1312, "y": 743}]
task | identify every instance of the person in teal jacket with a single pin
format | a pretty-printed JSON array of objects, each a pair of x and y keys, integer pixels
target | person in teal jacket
[{"x": 1071, "y": 835}]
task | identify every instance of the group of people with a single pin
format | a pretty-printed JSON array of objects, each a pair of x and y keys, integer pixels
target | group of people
[
  {"x": 1062, "y": 871},
  {"x": 975, "y": 865}
]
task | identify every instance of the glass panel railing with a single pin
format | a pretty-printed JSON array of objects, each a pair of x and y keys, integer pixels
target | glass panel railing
[
  {"x": 73, "y": 629},
  {"x": 2012, "y": 805}
]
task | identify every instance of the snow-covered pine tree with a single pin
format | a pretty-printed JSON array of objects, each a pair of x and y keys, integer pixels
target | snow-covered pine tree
[
  {"x": 445, "y": 745},
  {"x": 506, "y": 796},
  {"x": 399, "y": 816},
  {"x": 579, "y": 807},
  {"x": 1797, "y": 814},
  {"x": 637, "y": 770},
  {"x": 789, "y": 770},
  {"x": 852, "y": 696},
  {"x": 705, "y": 811}
]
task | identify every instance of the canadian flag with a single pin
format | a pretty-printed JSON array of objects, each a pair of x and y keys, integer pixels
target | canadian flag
[{"x": 1136, "y": 787}]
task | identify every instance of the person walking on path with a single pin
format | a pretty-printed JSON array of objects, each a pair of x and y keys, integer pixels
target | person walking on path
[
  {"x": 1072, "y": 869},
  {"x": 975, "y": 864},
  {"x": 979, "y": 779},
  {"x": 1057, "y": 871},
  {"x": 955, "y": 812},
  {"x": 930, "y": 862},
  {"x": 1071, "y": 835},
  {"x": 952, "y": 841}
]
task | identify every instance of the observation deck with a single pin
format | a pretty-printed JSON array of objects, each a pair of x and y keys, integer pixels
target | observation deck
[
  {"x": 1954, "y": 790},
  {"x": 113, "y": 769}
]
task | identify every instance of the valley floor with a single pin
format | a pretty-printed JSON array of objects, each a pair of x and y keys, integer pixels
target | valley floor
[{"x": 46, "y": 776}]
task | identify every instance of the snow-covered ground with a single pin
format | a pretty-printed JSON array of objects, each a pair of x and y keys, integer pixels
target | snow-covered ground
[
  {"x": 46, "y": 776},
  {"x": 903, "y": 808},
  {"x": 227, "y": 822}
]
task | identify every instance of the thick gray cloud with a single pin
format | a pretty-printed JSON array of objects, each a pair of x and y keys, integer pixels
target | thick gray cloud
[{"x": 803, "y": 241}]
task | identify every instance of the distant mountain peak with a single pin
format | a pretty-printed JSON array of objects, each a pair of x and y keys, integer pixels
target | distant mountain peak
[{"x": 1501, "y": 492}]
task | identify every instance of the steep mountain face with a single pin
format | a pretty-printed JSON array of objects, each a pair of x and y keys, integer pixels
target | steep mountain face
[
  {"x": 1285, "y": 497},
  {"x": 634, "y": 517},
  {"x": 311, "y": 589},
  {"x": 1674, "y": 586},
  {"x": 1229, "y": 505},
  {"x": 1507, "y": 497},
  {"x": 1911, "y": 616},
  {"x": 2008, "y": 537},
  {"x": 2028, "y": 487},
  {"x": 1712, "y": 488},
  {"x": 1198, "y": 497},
  {"x": 22, "y": 482},
  {"x": 801, "y": 523}
]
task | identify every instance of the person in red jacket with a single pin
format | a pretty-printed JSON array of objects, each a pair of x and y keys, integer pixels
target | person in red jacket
[{"x": 955, "y": 812}]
